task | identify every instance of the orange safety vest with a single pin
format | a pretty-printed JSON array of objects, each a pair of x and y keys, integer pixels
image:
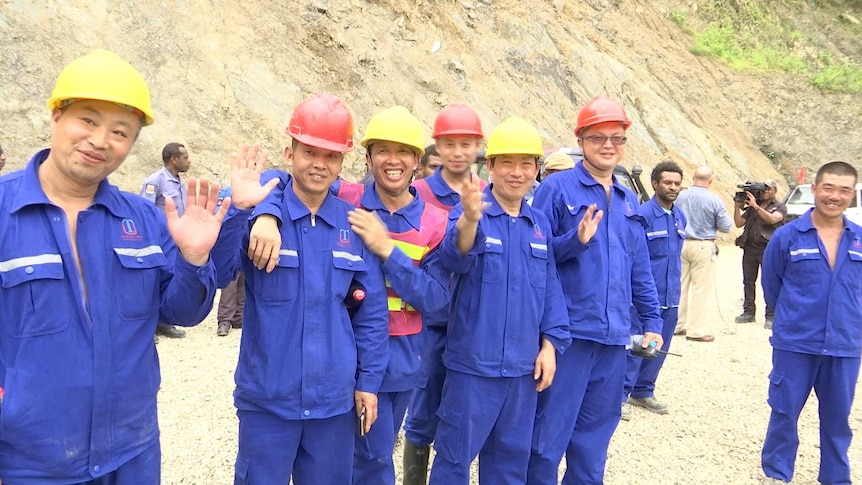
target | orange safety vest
[{"x": 403, "y": 318}]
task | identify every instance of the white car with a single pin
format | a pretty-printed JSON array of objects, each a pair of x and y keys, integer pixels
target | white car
[{"x": 800, "y": 199}]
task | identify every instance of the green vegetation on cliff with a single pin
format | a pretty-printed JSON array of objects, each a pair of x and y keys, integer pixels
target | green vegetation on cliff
[{"x": 763, "y": 37}]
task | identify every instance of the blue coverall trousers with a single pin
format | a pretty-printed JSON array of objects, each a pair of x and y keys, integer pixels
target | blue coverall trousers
[
  {"x": 578, "y": 414},
  {"x": 834, "y": 381},
  {"x": 491, "y": 417},
  {"x": 421, "y": 423},
  {"x": 372, "y": 455},
  {"x": 312, "y": 451}
]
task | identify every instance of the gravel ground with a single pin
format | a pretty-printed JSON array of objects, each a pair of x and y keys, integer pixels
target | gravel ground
[{"x": 713, "y": 434}]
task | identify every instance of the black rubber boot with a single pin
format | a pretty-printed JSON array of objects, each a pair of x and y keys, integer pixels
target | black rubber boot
[{"x": 415, "y": 463}]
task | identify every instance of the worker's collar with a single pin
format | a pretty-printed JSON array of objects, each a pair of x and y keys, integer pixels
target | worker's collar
[
  {"x": 495, "y": 209},
  {"x": 31, "y": 192},
  {"x": 297, "y": 209},
  {"x": 412, "y": 212}
]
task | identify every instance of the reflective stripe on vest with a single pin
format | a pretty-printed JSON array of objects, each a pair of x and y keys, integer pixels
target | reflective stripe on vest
[{"x": 403, "y": 318}]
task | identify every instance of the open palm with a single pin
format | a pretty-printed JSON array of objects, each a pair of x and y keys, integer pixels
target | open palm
[
  {"x": 245, "y": 170},
  {"x": 196, "y": 231}
]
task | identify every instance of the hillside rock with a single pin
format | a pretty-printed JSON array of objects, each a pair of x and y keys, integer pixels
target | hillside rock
[{"x": 223, "y": 73}]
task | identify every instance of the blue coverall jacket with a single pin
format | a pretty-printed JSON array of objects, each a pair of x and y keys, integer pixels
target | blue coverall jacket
[
  {"x": 602, "y": 278},
  {"x": 665, "y": 234},
  {"x": 507, "y": 294},
  {"x": 80, "y": 371},
  {"x": 818, "y": 309},
  {"x": 301, "y": 355}
]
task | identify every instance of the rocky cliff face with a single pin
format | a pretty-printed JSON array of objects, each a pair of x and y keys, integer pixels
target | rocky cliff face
[{"x": 223, "y": 73}]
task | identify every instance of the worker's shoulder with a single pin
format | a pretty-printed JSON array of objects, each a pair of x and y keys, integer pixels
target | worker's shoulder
[
  {"x": 155, "y": 177},
  {"x": 10, "y": 186}
]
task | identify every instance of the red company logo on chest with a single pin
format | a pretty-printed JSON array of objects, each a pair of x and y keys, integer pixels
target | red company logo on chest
[{"x": 130, "y": 231}]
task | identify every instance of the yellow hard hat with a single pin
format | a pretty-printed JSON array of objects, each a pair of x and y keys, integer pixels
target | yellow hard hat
[
  {"x": 398, "y": 125},
  {"x": 104, "y": 76},
  {"x": 514, "y": 136}
]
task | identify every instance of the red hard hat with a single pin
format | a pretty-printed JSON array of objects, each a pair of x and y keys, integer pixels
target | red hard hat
[
  {"x": 601, "y": 109},
  {"x": 457, "y": 119},
  {"x": 322, "y": 121}
]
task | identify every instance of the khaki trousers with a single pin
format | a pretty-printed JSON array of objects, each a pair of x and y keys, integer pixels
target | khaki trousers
[{"x": 698, "y": 286}]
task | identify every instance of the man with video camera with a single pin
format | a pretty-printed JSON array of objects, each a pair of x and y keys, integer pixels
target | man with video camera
[{"x": 755, "y": 208}]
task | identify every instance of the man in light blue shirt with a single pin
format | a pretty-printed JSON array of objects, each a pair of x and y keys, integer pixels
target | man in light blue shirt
[
  {"x": 163, "y": 183},
  {"x": 706, "y": 215}
]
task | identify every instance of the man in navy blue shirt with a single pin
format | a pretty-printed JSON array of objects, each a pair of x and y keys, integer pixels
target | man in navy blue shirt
[
  {"x": 812, "y": 276},
  {"x": 87, "y": 271}
]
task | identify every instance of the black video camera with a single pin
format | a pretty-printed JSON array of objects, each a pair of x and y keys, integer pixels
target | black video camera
[{"x": 756, "y": 189}]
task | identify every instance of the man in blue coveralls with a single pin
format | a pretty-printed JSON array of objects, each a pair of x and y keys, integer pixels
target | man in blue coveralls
[
  {"x": 307, "y": 370},
  {"x": 87, "y": 271},
  {"x": 404, "y": 232},
  {"x": 665, "y": 232},
  {"x": 603, "y": 260},
  {"x": 507, "y": 320},
  {"x": 812, "y": 276},
  {"x": 458, "y": 137}
]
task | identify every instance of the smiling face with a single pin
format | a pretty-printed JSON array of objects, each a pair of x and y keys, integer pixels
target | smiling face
[
  {"x": 393, "y": 165},
  {"x": 832, "y": 195},
  {"x": 602, "y": 157},
  {"x": 513, "y": 176},
  {"x": 458, "y": 152},
  {"x": 313, "y": 169},
  {"x": 89, "y": 140}
]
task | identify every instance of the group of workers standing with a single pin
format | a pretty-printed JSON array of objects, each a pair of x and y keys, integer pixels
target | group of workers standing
[{"x": 488, "y": 326}]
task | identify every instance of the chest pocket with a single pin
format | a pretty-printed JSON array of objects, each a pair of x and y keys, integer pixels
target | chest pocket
[
  {"x": 657, "y": 242},
  {"x": 31, "y": 297},
  {"x": 537, "y": 265},
  {"x": 137, "y": 281},
  {"x": 282, "y": 285},
  {"x": 493, "y": 267},
  {"x": 805, "y": 265},
  {"x": 852, "y": 279},
  {"x": 345, "y": 265}
]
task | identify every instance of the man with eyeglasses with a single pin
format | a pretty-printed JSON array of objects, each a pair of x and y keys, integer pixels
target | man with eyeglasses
[{"x": 603, "y": 262}]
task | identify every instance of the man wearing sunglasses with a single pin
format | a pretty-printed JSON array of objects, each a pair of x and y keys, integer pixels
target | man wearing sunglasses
[{"x": 603, "y": 262}]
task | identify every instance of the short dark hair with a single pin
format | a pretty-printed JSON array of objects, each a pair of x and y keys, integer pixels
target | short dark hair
[
  {"x": 430, "y": 151},
  {"x": 172, "y": 149},
  {"x": 666, "y": 165},
  {"x": 836, "y": 168}
]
